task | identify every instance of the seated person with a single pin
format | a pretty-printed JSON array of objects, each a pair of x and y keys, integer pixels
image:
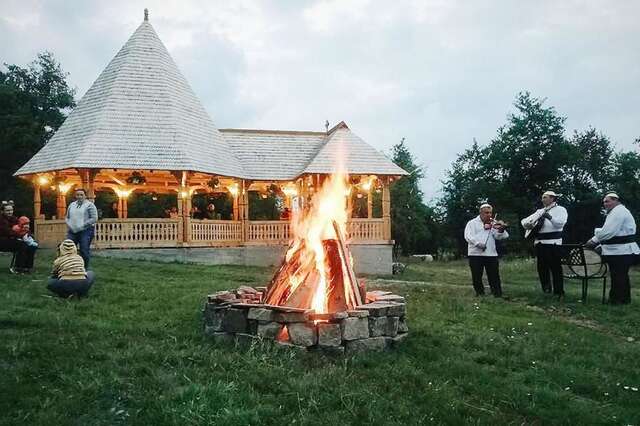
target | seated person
[
  {"x": 11, "y": 242},
  {"x": 23, "y": 231},
  {"x": 69, "y": 277}
]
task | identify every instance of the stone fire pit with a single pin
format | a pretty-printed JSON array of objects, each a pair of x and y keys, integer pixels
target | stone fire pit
[{"x": 239, "y": 315}]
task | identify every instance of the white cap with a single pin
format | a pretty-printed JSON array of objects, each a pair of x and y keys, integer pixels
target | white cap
[
  {"x": 486, "y": 205},
  {"x": 551, "y": 193},
  {"x": 612, "y": 195}
]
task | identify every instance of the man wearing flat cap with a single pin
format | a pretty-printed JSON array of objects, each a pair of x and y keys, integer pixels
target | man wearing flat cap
[
  {"x": 549, "y": 222},
  {"x": 617, "y": 238}
]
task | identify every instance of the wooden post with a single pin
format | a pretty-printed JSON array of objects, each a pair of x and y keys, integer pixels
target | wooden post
[
  {"x": 119, "y": 207},
  {"x": 186, "y": 217},
  {"x": 125, "y": 208},
  {"x": 91, "y": 175},
  {"x": 61, "y": 205},
  {"x": 386, "y": 209},
  {"x": 236, "y": 207},
  {"x": 349, "y": 201},
  {"x": 37, "y": 202},
  {"x": 369, "y": 204},
  {"x": 244, "y": 209}
]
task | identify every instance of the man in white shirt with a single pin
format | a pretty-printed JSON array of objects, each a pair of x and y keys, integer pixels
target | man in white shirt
[
  {"x": 553, "y": 217},
  {"x": 81, "y": 219},
  {"x": 481, "y": 235},
  {"x": 617, "y": 238}
]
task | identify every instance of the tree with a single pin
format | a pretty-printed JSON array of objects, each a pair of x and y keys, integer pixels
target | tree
[
  {"x": 34, "y": 101},
  {"x": 414, "y": 225},
  {"x": 529, "y": 155}
]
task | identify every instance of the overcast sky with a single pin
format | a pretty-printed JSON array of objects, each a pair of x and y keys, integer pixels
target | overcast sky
[{"x": 438, "y": 73}]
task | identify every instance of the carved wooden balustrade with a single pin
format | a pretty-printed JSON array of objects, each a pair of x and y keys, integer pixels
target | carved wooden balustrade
[{"x": 151, "y": 233}]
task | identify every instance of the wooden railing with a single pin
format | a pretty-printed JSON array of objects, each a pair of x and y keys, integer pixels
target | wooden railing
[
  {"x": 50, "y": 233},
  {"x": 149, "y": 233},
  {"x": 366, "y": 230},
  {"x": 214, "y": 232},
  {"x": 268, "y": 232},
  {"x": 138, "y": 233}
]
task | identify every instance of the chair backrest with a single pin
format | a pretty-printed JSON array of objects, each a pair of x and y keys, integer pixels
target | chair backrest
[{"x": 578, "y": 262}]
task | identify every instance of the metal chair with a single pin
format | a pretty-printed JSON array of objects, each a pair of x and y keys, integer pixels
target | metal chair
[{"x": 580, "y": 263}]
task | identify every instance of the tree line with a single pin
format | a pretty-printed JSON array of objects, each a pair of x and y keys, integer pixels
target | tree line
[{"x": 530, "y": 153}]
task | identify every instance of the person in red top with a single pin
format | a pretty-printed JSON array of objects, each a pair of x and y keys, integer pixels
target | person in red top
[{"x": 10, "y": 241}]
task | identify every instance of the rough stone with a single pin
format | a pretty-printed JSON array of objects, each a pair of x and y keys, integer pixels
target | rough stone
[
  {"x": 332, "y": 317},
  {"x": 377, "y": 326},
  {"x": 390, "y": 298},
  {"x": 260, "y": 314},
  {"x": 291, "y": 317},
  {"x": 252, "y": 327},
  {"x": 213, "y": 316},
  {"x": 329, "y": 334},
  {"x": 235, "y": 321},
  {"x": 395, "y": 341},
  {"x": 246, "y": 289},
  {"x": 396, "y": 309},
  {"x": 358, "y": 313},
  {"x": 402, "y": 325},
  {"x": 354, "y": 328},
  {"x": 367, "y": 345},
  {"x": 391, "y": 327},
  {"x": 302, "y": 334},
  {"x": 375, "y": 309},
  {"x": 268, "y": 330}
]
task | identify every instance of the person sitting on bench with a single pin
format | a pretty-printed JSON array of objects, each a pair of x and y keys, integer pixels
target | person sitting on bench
[
  {"x": 12, "y": 242},
  {"x": 69, "y": 278}
]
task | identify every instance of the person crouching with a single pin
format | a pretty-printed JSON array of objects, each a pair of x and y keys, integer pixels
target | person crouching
[
  {"x": 481, "y": 236},
  {"x": 69, "y": 278}
]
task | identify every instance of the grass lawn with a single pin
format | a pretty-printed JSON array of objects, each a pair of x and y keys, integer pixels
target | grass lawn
[{"x": 134, "y": 353}]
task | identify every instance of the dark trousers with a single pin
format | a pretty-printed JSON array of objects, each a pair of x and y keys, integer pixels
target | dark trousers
[
  {"x": 24, "y": 253},
  {"x": 83, "y": 240},
  {"x": 620, "y": 285},
  {"x": 66, "y": 288},
  {"x": 548, "y": 256},
  {"x": 478, "y": 264}
]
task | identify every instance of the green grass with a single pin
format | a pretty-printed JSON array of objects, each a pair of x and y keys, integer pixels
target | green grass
[{"x": 134, "y": 353}]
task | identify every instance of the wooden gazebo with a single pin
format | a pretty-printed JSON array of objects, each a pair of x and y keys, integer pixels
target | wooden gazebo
[{"x": 140, "y": 118}]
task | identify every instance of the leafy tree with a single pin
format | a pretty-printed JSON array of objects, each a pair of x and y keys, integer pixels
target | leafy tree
[
  {"x": 529, "y": 155},
  {"x": 414, "y": 225},
  {"x": 34, "y": 101}
]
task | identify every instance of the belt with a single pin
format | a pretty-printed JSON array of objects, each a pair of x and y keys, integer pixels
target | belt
[
  {"x": 549, "y": 236},
  {"x": 620, "y": 239}
]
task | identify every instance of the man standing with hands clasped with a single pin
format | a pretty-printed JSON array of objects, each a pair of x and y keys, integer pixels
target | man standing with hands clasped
[
  {"x": 82, "y": 216},
  {"x": 550, "y": 221},
  {"x": 481, "y": 234},
  {"x": 617, "y": 238}
]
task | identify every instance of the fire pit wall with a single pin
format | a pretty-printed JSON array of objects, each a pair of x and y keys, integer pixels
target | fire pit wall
[{"x": 241, "y": 316}]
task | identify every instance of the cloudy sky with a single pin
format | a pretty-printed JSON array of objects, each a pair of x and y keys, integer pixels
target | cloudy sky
[{"x": 437, "y": 72}]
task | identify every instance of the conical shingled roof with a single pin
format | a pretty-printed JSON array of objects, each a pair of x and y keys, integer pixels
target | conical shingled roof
[
  {"x": 142, "y": 114},
  {"x": 345, "y": 149}
]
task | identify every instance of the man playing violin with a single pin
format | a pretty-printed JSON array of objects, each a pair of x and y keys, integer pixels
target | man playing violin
[
  {"x": 550, "y": 221},
  {"x": 481, "y": 234}
]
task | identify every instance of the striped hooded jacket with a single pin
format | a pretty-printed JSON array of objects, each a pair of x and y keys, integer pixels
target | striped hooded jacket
[{"x": 68, "y": 265}]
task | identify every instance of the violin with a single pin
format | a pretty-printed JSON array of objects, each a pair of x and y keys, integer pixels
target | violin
[{"x": 494, "y": 223}]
